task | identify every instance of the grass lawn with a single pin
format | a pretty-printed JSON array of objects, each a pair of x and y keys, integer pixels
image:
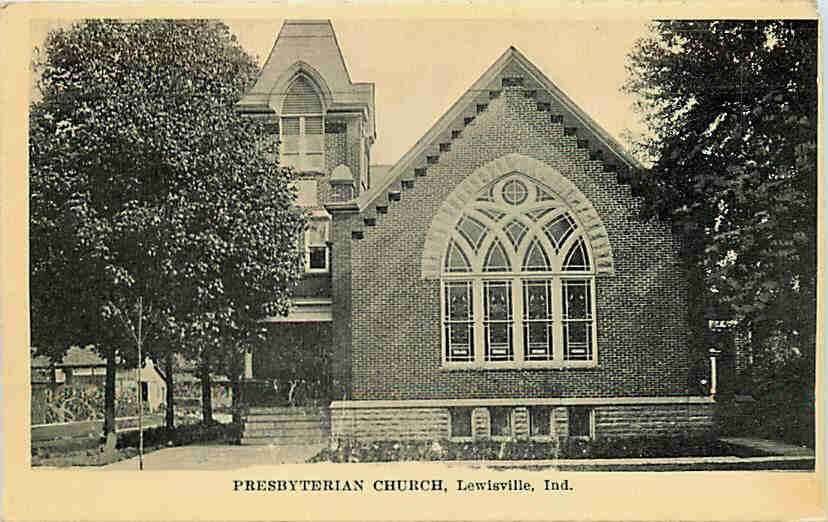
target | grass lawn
[{"x": 127, "y": 446}]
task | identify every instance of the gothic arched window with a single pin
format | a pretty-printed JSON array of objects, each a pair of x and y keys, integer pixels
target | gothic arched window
[
  {"x": 302, "y": 127},
  {"x": 517, "y": 281}
]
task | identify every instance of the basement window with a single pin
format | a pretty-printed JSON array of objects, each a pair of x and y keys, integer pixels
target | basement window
[
  {"x": 501, "y": 420},
  {"x": 461, "y": 425},
  {"x": 580, "y": 421},
  {"x": 540, "y": 421}
]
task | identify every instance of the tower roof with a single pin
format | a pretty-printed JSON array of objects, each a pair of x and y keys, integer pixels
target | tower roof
[{"x": 309, "y": 47}]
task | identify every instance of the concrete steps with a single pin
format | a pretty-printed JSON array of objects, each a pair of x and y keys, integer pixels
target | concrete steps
[{"x": 281, "y": 426}]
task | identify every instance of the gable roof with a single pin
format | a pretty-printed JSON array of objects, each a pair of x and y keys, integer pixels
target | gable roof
[
  {"x": 309, "y": 47},
  {"x": 379, "y": 173},
  {"x": 512, "y": 63}
]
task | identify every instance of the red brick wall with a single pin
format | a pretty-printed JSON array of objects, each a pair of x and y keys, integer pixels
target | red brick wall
[
  {"x": 394, "y": 329},
  {"x": 341, "y": 226}
]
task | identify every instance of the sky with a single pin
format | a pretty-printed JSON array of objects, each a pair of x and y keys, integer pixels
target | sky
[{"x": 421, "y": 66}]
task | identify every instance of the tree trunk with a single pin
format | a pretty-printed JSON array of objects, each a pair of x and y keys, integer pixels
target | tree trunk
[
  {"x": 236, "y": 384},
  {"x": 109, "y": 392},
  {"x": 170, "y": 399},
  {"x": 206, "y": 392}
]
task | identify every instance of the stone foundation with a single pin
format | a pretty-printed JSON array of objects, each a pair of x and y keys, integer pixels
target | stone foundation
[
  {"x": 607, "y": 418},
  {"x": 389, "y": 423}
]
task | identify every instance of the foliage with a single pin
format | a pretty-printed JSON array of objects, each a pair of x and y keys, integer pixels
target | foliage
[
  {"x": 731, "y": 108},
  {"x": 783, "y": 410},
  {"x": 632, "y": 447},
  {"x": 183, "y": 435},
  {"x": 147, "y": 185}
]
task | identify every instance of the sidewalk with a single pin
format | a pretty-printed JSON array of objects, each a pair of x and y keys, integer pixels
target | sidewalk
[
  {"x": 771, "y": 447},
  {"x": 780, "y": 456},
  {"x": 218, "y": 457}
]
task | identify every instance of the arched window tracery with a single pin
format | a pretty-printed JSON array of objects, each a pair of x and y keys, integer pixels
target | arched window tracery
[{"x": 518, "y": 281}]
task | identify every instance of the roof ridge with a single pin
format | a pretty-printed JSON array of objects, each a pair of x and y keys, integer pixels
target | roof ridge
[{"x": 469, "y": 95}]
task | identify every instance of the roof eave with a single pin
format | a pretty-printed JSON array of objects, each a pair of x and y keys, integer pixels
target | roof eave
[{"x": 457, "y": 108}]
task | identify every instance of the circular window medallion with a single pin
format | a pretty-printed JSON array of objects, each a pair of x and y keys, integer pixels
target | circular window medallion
[{"x": 515, "y": 192}]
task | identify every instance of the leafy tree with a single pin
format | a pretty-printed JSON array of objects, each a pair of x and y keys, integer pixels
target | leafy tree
[
  {"x": 731, "y": 110},
  {"x": 146, "y": 184}
]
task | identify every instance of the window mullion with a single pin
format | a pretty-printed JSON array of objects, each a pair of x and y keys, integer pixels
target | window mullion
[
  {"x": 517, "y": 319},
  {"x": 557, "y": 320},
  {"x": 479, "y": 330}
]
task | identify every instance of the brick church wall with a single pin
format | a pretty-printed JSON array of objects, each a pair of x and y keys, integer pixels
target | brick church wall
[{"x": 394, "y": 330}]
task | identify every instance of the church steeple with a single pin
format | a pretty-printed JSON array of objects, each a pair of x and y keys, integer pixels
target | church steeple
[{"x": 324, "y": 119}]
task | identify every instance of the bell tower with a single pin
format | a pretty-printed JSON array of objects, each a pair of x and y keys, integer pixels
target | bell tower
[{"x": 322, "y": 119}]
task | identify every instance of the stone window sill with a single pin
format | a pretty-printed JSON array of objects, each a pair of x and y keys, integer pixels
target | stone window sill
[{"x": 585, "y": 365}]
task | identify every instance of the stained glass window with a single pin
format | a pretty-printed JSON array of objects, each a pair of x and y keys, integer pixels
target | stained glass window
[
  {"x": 559, "y": 229},
  {"x": 456, "y": 260},
  {"x": 497, "y": 320},
  {"x": 515, "y": 230},
  {"x": 577, "y": 318},
  {"x": 496, "y": 259},
  {"x": 472, "y": 230},
  {"x": 535, "y": 260},
  {"x": 577, "y": 258},
  {"x": 537, "y": 319},
  {"x": 459, "y": 324},
  {"x": 510, "y": 298},
  {"x": 515, "y": 192}
]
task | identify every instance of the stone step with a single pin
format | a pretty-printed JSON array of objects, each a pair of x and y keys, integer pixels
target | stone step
[
  {"x": 276, "y": 434},
  {"x": 281, "y": 417},
  {"x": 281, "y": 441},
  {"x": 297, "y": 410},
  {"x": 279, "y": 423}
]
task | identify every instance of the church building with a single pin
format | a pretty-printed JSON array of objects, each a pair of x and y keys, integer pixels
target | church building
[{"x": 496, "y": 282}]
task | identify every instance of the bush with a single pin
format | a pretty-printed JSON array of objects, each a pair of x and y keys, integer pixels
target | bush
[
  {"x": 641, "y": 447},
  {"x": 183, "y": 435}
]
